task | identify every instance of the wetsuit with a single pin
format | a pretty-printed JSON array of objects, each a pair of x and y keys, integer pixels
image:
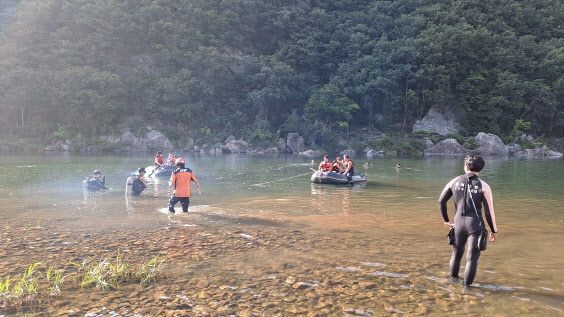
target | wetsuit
[
  {"x": 95, "y": 183},
  {"x": 181, "y": 178},
  {"x": 468, "y": 219}
]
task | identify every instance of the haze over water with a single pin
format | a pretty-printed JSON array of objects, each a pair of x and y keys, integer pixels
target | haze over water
[{"x": 388, "y": 229}]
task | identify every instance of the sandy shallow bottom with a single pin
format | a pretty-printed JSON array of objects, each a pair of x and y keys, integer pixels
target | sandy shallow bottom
[{"x": 251, "y": 266}]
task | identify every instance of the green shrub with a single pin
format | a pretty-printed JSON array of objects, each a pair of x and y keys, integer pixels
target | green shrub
[{"x": 459, "y": 138}]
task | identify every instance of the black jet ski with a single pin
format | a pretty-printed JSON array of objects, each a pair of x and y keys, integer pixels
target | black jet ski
[{"x": 336, "y": 178}]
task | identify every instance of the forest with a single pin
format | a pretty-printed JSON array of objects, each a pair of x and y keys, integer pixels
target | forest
[{"x": 259, "y": 69}]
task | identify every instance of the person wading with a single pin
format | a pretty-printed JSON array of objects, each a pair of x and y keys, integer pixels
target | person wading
[
  {"x": 181, "y": 179},
  {"x": 470, "y": 194}
]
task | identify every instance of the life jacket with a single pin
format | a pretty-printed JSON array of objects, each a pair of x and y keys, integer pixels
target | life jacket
[
  {"x": 137, "y": 186},
  {"x": 336, "y": 166},
  {"x": 350, "y": 166},
  {"x": 159, "y": 159},
  {"x": 171, "y": 160},
  {"x": 325, "y": 166}
]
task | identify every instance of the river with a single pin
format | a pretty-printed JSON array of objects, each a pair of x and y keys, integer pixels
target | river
[{"x": 263, "y": 240}]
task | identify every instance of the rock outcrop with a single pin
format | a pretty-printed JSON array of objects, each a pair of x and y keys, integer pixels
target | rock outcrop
[
  {"x": 441, "y": 122},
  {"x": 447, "y": 147},
  {"x": 151, "y": 140},
  {"x": 237, "y": 146},
  {"x": 490, "y": 144},
  {"x": 309, "y": 153},
  {"x": 294, "y": 142}
]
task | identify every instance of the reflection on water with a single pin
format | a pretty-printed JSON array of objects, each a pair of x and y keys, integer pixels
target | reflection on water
[{"x": 371, "y": 248}]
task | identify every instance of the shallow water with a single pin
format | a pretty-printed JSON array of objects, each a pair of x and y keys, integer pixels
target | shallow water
[{"x": 260, "y": 220}]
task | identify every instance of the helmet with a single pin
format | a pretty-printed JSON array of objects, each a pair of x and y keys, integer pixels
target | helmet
[
  {"x": 96, "y": 172},
  {"x": 159, "y": 153},
  {"x": 180, "y": 161}
]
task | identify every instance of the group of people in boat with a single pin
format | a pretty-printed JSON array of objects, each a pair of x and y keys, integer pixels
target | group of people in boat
[
  {"x": 181, "y": 179},
  {"x": 343, "y": 166},
  {"x": 159, "y": 160}
]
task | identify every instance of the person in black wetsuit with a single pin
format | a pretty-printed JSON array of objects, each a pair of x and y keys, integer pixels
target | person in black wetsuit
[
  {"x": 468, "y": 219},
  {"x": 95, "y": 182}
]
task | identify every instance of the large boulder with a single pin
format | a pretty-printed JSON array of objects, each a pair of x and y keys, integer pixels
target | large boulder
[
  {"x": 447, "y": 147},
  {"x": 271, "y": 150},
  {"x": 294, "y": 142},
  {"x": 349, "y": 152},
  {"x": 52, "y": 148},
  {"x": 149, "y": 141},
  {"x": 310, "y": 153},
  {"x": 4, "y": 148},
  {"x": 442, "y": 122},
  {"x": 237, "y": 146},
  {"x": 490, "y": 144}
]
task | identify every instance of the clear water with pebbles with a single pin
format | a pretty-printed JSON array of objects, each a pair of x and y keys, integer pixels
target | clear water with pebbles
[{"x": 263, "y": 239}]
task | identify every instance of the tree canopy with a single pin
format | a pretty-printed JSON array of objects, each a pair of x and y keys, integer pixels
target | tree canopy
[{"x": 259, "y": 69}]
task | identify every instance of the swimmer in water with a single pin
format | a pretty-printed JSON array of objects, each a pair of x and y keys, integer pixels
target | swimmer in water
[{"x": 367, "y": 164}]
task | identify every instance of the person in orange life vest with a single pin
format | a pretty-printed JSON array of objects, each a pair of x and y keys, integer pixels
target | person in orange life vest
[
  {"x": 349, "y": 167},
  {"x": 338, "y": 165},
  {"x": 181, "y": 179},
  {"x": 325, "y": 166},
  {"x": 159, "y": 159},
  {"x": 171, "y": 160}
]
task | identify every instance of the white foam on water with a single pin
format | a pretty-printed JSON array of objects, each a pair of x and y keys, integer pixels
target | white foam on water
[
  {"x": 227, "y": 286},
  {"x": 245, "y": 236},
  {"x": 189, "y": 225},
  {"x": 386, "y": 274},
  {"x": 523, "y": 298},
  {"x": 348, "y": 268},
  {"x": 373, "y": 264},
  {"x": 491, "y": 272},
  {"x": 480, "y": 295},
  {"x": 546, "y": 306},
  {"x": 547, "y": 289},
  {"x": 394, "y": 310},
  {"x": 437, "y": 279},
  {"x": 503, "y": 288}
]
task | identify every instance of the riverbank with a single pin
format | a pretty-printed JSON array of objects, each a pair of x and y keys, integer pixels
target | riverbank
[
  {"x": 257, "y": 267},
  {"x": 359, "y": 144}
]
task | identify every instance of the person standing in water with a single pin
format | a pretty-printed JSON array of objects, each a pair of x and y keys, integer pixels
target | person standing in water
[
  {"x": 470, "y": 194},
  {"x": 181, "y": 179}
]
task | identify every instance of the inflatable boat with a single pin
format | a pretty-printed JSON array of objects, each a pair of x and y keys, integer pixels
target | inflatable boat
[
  {"x": 336, "y": 178},
  {"x": 163, "y": 171}
]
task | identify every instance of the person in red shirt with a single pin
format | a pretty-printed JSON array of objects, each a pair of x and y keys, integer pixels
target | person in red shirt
[
  {"x": 159, "y": 159},
  {"x": 325, "y": 166},
  {"x": 171, "y": 160},
  {"x": 181, "y": 179}
]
